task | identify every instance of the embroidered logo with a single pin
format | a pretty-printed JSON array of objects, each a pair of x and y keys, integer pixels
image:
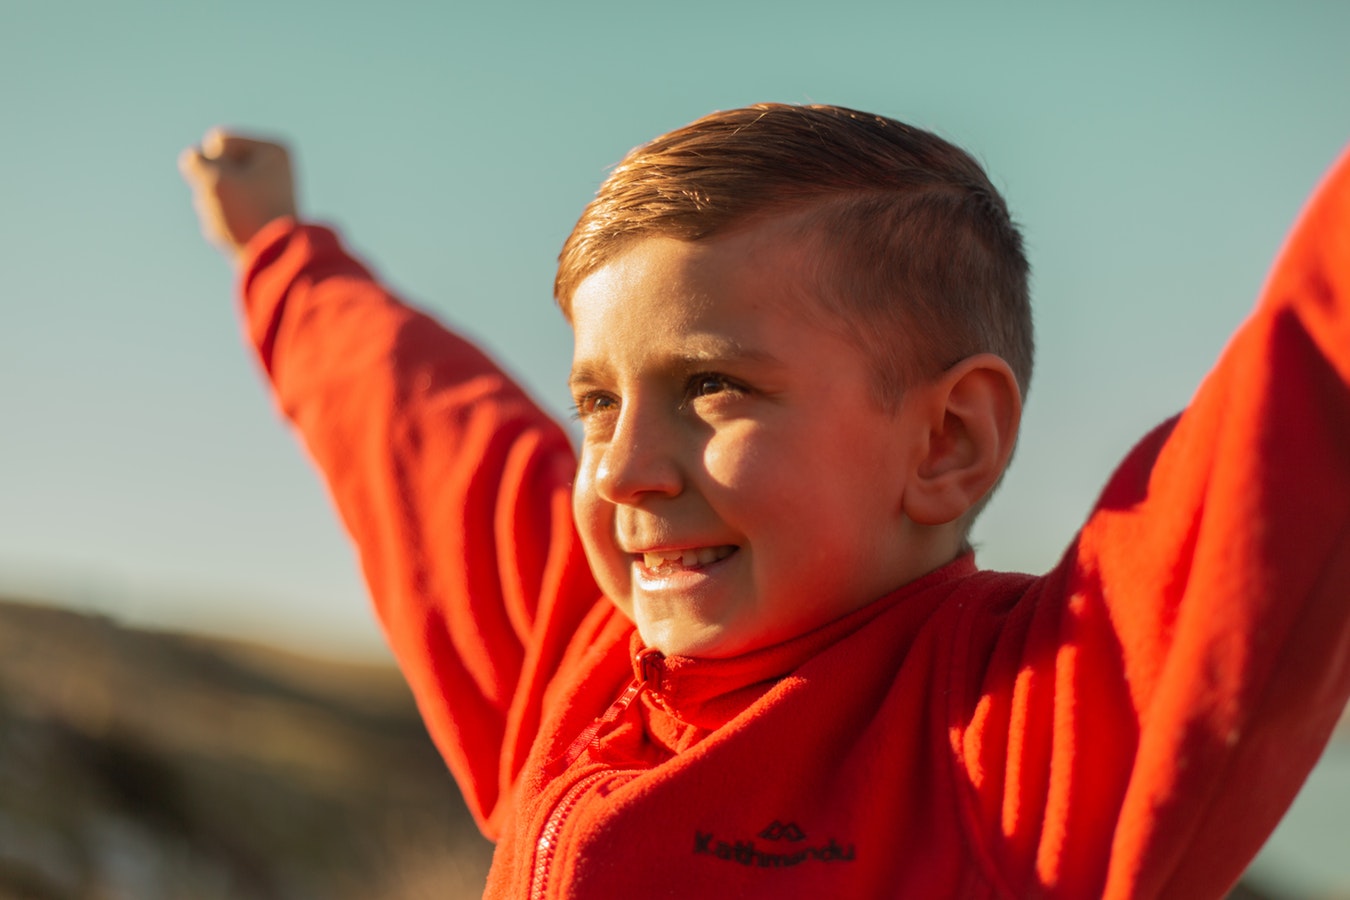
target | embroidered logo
[
  {"x": 777, "y": 831},
  {"x": 748, "y": 853}
]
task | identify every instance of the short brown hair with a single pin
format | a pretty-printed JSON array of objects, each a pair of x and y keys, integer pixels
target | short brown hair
[{"x": 920, "y": 260}]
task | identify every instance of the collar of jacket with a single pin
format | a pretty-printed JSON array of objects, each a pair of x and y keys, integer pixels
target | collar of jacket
[{"x": 707, "y": 693}]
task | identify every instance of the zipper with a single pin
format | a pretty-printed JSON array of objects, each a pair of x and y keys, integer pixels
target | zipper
[
  {"x": 649, "y": 675},
  {"x": 546, "y": 847}
]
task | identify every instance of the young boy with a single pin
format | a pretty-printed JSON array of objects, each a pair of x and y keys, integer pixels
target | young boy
[{"x": 742, "y": 648}]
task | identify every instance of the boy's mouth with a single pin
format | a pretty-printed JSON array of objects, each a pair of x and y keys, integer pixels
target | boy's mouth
[{"x": 665, "y": 562}]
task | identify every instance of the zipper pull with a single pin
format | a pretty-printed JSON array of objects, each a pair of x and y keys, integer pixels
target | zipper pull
[
  {"x": 649, "y": 675},
  {"x": 649, "y": 667}
]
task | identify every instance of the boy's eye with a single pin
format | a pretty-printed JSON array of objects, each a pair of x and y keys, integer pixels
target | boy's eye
[
  {"x": 591, "y": 403},
  {"x": 707, "y": 384}
]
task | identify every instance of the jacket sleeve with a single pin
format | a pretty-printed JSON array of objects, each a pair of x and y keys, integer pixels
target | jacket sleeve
[
  {"x": 453, "y": 485},
  {"x": 1148, "y": 712}
]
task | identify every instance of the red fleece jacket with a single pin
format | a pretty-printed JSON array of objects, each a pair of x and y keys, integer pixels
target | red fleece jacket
[{"x": 1131, "y": 724}]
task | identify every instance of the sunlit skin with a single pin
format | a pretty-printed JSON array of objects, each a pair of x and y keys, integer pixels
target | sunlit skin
[
  {"x": 239, "y": 184},
  {"x": 723, "y": 424}
]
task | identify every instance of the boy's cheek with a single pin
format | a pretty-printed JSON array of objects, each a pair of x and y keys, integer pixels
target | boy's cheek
[
  {"x": 594, "y": 521},
  {"x": 611, "y": 577},
  {"x": 622, "y": 604},
  {"x": 585, "y": 511}
]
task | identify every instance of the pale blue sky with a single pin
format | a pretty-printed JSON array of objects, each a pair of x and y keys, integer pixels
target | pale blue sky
[{"x": 1155, "y": 154}]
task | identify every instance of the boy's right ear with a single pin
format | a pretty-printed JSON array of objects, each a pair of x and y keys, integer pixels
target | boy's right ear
[{"x": 968, "y": 420}]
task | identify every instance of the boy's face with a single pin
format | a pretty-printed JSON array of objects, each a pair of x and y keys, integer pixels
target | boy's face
[{"x": 739, "y": 484}]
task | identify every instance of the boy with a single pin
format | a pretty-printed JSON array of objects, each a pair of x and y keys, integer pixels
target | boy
[{"x": 747, "y": 653}]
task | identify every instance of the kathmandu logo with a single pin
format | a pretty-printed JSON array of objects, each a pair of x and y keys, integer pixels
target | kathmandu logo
[
  {"x": 777, "y": 831},
  {"x": 747, "y": 853}
]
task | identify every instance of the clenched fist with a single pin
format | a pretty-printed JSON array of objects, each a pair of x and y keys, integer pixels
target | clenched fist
[{"x": 239, "y": 184}]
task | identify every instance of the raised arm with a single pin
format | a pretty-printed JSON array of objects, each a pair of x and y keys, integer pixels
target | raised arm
[
  {"x": 1244, "y": 529},
  {"x": 454, "y": 486},
  {"x": 1163, "y": 693}
]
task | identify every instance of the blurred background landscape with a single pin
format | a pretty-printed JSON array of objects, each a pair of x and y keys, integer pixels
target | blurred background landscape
[
  {"x": 140, "y": 765},
  {"x": 1155, "y": 155}
]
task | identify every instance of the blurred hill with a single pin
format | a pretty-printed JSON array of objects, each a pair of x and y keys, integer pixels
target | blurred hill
[
  {"x": 141, "y": 765},
  {"x": 146, "y": 765}
]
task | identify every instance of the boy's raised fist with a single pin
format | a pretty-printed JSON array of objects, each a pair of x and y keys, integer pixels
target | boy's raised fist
[{"x": 239, "y": 184}]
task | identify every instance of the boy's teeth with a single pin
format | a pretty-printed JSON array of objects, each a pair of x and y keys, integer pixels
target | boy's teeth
[
  {"x": 686, "y": 558},
  {"x": 657, "y": 560}
]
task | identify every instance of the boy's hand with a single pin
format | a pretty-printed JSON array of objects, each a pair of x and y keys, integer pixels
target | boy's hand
[{"x": 239, "y": 184}]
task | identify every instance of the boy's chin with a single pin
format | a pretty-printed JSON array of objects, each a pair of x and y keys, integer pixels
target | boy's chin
[{"x": 693, "y": 640}]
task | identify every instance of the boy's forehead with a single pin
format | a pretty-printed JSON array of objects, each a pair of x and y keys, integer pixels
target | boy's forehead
[
  {"x": 715, "y": 300},
  {"x": 765, "y": 262}
]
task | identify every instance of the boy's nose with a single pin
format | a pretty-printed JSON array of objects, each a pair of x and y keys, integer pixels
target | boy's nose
[{"x": 638, "y": 462}]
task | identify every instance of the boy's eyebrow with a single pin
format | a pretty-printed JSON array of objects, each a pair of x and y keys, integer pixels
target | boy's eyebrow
[
  {"x": 585, "y": 372},
  {"x": 582, "y": 373}
]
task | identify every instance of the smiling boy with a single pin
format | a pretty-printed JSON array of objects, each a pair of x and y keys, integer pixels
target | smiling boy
[
  {"x": 740, "y": 482},
  {"x": 801, "y": 345}
]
